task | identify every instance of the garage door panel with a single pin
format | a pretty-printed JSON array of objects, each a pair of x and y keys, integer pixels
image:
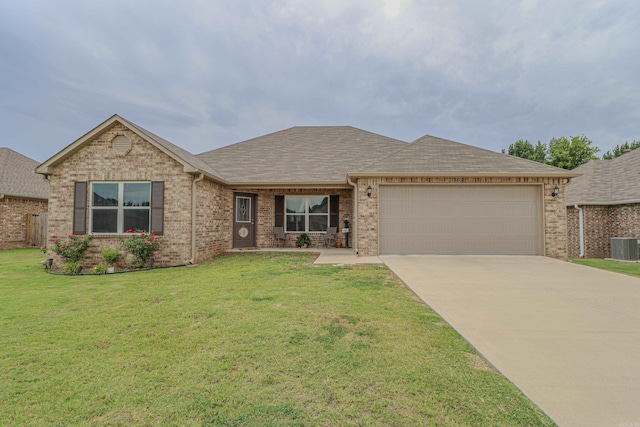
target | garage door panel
[{"x": 492, "y": 220}]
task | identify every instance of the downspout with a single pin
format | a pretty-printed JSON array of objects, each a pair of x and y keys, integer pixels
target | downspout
[
  {"x": 581, "y": 223},
  {"x": 193, "y": 217},
  {"x": 355, "y": 215}
]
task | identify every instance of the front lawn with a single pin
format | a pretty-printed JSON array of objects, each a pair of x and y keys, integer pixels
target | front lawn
[
  {"x": 629, "y": 268},
  {"x": 247, "y": 339}
]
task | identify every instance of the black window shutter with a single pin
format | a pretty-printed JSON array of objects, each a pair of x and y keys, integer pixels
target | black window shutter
[
  {"x": 334, "y": 211},
  {"x": 80, "y": 208},
  {"x": 279, "y": 219},
  {"x": 157, "y": 207}
]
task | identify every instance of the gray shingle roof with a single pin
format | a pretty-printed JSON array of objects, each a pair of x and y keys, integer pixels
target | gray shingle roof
[
  {"x": 183, "y": 154},
  {"x": 191, "y": 163},
  {"x": 436, "y": 156},
  {"x": 303, "y": 154},
  {"x": 18, "y": 177},
  {"x": 606, "y": 182}
]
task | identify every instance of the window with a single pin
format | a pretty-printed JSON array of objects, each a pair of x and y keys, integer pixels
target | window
[
  {"x": 120, "y": 206},
  {"x": 243, "y": 209},
  {"x": 308, "y": 213}
]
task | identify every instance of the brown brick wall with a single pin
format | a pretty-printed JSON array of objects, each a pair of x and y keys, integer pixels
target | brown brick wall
[
  {"x": 97, "y": 161},
  {"x": 601, "y": 223},
  {"x": 625, "y": 220},
  {"x": 214, "y": 214},
  {"x": 266, "y": 213},
  {"x": 13, "y": 220},
  {"x": 555, "y": 214}
]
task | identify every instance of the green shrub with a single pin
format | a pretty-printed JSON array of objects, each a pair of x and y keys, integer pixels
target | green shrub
[
  {"x": 72, "y": 249},
  {"x": 303, "y": 239},
  {"x": 141, "y": 245},
  {"x": 110, "y": 256},
  {"x": 70, "y": 267},
  {"x": 100, "y": 268}
]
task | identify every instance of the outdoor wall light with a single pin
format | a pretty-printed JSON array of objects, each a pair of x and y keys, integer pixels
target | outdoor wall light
[
  {"x": 555, "y": 191},
  {"x": 369, "y": 190}
]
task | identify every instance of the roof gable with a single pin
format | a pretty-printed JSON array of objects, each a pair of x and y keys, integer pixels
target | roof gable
[
  {"x": 190, "y": 163},
  {"x": 299, "y": 155},
  {"x": 18, "y": 177},
  {"x": 430, "y": 155},
  {"x": 605, "y": 182}
]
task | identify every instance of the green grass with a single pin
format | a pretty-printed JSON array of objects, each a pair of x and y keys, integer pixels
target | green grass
[
  {"x": 629, "y": 268},
  {"x": 249, "y": 339}
]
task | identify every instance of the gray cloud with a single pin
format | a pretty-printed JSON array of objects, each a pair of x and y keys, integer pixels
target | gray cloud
[{"x": 209, "y": 73}]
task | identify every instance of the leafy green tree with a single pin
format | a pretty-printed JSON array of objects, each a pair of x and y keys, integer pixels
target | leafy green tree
[
  {"x": 524, "y": 149},
  {"x": 570, "y": 153},
  {"x": 619, "y": 150}
]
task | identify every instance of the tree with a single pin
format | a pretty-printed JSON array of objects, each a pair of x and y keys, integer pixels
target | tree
[
  {"x": 571, "y": 153},
  {"x": 524, "y": 149},
  {"x": 619, "y": 150}
]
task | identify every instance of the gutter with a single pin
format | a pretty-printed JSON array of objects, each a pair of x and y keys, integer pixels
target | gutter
[
  {"x": 581, "y": 221},
  {"x": 466, "y": 174},
  {"x": 193, "y": 217},
  {"x": 355, "y": 215}
]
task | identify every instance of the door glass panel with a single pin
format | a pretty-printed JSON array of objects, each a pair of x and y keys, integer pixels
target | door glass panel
[{"x": 243, "y": 209}]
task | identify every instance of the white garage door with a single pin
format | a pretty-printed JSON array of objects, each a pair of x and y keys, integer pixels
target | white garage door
[{"x": 463, "y": 220}]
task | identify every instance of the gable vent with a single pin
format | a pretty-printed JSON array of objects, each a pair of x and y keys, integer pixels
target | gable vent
[{"x": 121, "y": 145}]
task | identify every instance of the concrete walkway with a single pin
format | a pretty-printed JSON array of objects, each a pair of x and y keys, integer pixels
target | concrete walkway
[
  {"x": 343, "y": 256},
  {"x": 567, "y": 335}
]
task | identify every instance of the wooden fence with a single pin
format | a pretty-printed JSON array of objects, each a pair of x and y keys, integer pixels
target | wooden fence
[{"x": 37, "y": 229}]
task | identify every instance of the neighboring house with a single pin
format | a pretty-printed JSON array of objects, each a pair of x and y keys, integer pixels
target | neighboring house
[
  {"x": 608, "y": 195},
  {"x": 23, "y": 195},
  {"x": 431, "y": 196}
]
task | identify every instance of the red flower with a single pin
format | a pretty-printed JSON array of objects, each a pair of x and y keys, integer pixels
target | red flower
[
  {"x": 129, "y": 231},
  {"x": 142, "y": 235}
]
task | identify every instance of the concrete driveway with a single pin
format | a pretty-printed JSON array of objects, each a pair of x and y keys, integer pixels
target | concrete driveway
[{"x": 567, "y": 335}]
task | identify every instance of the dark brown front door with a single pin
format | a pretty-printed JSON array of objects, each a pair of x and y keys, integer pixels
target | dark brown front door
[{"x": 244, "y": 228}]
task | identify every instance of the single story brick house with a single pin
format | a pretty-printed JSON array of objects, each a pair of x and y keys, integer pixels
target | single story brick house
[
  {"x": 430, "y": 196},
  {"x": 23, "y": 196},
  {"x": 603, "y": 203}
]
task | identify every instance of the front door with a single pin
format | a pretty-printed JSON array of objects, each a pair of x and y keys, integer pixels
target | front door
[{"x": 244, "y": 212}]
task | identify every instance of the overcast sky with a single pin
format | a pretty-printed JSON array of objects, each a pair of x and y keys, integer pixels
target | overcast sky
[{"x": 204, "y": 74}]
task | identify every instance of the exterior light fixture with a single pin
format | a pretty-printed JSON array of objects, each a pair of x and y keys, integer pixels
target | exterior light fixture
[
  {"x": 556, "y": 191},
  {"x": 369, "y": 190}
]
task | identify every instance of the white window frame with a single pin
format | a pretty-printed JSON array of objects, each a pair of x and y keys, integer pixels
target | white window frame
[
  {"x": 306, "y": 213},
  {"x": 120, "y": 208}
]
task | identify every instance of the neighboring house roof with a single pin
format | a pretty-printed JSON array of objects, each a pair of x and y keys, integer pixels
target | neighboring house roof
[
  {"x": 18, "y": 177},
  {"x": 301, "y": 155},
  {"x": 434, "y": 156},
  {"x": 190, "y": 162},
  {"x": 607, "y": 182}
]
